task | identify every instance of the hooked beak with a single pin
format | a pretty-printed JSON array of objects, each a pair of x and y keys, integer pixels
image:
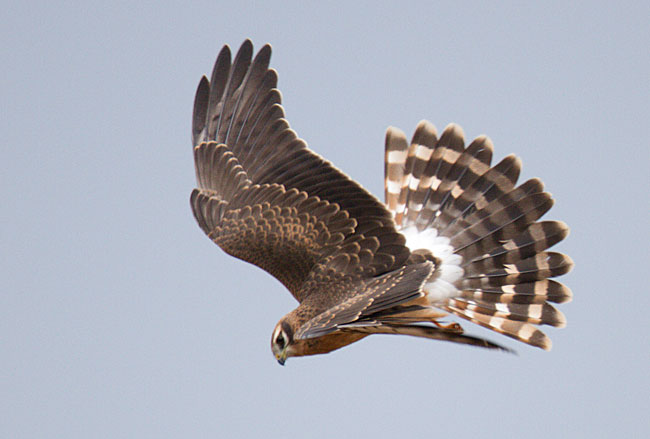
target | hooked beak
[{"x": 282, "y": 357}]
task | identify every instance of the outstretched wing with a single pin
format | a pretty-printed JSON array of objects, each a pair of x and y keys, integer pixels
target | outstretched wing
[
  {"x": 264, "y": 197},
  {"x": 430, "y": 332}
]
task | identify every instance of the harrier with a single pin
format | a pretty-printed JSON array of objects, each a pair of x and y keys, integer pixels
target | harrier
[{"x": 455, "y": 235}]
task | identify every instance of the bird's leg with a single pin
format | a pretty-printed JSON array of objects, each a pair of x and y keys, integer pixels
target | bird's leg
[{"x": 450, "y": 327}]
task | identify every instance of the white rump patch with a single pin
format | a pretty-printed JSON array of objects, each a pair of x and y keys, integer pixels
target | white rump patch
[{"x": 442, "y": 285}]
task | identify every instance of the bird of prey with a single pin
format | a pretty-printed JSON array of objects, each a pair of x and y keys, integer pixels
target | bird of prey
[{"x": 455, "y": 236}]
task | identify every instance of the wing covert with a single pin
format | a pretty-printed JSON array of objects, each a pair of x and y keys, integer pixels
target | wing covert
[{"x": 373, "y": 296}]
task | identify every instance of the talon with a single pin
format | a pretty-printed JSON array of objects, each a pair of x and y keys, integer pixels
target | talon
[{"x": 451, "y": 327}]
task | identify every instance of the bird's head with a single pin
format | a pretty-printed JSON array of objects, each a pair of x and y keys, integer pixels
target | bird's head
[{"x": 282, "y": 341}]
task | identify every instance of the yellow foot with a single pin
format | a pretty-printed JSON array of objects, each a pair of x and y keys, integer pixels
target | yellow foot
[{"x": 451, "y": 327}]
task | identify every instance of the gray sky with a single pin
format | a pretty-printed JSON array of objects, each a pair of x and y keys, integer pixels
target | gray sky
[{"x": 120, "y": 319}]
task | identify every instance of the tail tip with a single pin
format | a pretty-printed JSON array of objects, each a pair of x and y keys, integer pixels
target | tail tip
[
  {"x": 454, "y": 128},
  {"x": 394, "y": 133}
]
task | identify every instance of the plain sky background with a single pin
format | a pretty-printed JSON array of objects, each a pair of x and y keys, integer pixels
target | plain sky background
[{"x": 120, "y": 319}]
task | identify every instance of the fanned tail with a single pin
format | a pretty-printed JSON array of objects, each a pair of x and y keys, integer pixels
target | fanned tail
[{"x": 481, "y": 229}]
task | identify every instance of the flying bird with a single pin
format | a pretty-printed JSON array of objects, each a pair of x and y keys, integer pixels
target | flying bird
[{"x": 455, "y": 236}]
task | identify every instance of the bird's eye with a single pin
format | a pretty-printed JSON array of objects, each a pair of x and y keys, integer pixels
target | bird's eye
[{"x": 280, "y": 341}]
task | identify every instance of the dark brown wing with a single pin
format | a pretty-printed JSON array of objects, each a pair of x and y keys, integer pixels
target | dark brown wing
[
  {"x": 430, "y": 332},
  {"x": 264, "y": 197},
  {"x": 374, "y": 295},
  {"x": 375, "y": 310},
  {"x": 284, "y": 232}
]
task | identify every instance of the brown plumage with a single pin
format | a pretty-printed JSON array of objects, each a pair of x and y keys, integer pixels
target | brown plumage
[{"x": 267, "y": 199}]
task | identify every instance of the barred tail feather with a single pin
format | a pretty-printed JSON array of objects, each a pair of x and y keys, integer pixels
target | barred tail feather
[
  {"x": 483, "y": 230},
  {"x": 542, "y": 291},
  {"x": 524, "y": 332},
  {"x": 404, "y": 166}
]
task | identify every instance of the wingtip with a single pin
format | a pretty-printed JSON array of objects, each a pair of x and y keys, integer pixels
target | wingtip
[
  {"x": 200, "y": 109},
  {"x": 225, "y": 51},
  {"x": 247, "y": 44}
]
